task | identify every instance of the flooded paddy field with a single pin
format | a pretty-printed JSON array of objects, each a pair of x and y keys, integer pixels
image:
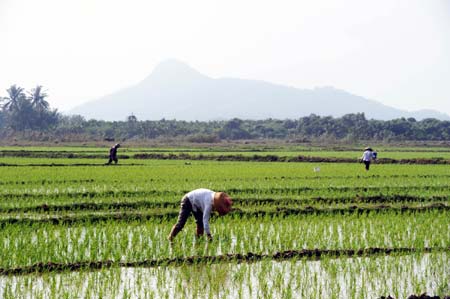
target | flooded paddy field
[{"x": 75, "y": 228}]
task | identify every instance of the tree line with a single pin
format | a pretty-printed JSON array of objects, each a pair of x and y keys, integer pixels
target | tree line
[{"x": 30, "y": 112}]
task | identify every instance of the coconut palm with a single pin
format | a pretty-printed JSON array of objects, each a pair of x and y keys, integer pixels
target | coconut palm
[
  {"x": 37, "y": 98},
  {"x": 15, "y": 95}
]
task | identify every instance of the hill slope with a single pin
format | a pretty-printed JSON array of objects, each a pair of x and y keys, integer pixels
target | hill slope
[{"x": 176, "y": 91}]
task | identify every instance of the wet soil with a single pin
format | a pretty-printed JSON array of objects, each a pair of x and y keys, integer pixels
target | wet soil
[{"x": 238, "y": 258}]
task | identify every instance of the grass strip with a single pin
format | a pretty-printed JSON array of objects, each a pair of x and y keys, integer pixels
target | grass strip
[
  {"x": 275, "y": 212},
  {"x": 202, "y": 157},
  {"x": 274, "y": 178},
  {"x": 234, "y": 191},
  {"x": 245, "y": 202},
  {"x": 66, "y": 164}
]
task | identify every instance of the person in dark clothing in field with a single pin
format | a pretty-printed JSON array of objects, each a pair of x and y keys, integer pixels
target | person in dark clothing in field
[
  {"x": 113, "y": 154},
  {"x": 201, "y": 203}
]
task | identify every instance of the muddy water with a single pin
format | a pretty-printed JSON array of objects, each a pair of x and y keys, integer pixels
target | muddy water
[{"x": 364, "y": 277}]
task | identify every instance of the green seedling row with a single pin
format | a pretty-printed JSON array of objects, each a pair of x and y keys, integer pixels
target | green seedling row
[
  {"x": 24, "y": 245},
  {"x": 361, "y": 277}
]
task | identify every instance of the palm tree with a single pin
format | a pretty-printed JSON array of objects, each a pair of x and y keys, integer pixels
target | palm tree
[
  {"x": 15, "y": 95},
  {"x": 37, "y": 98}
]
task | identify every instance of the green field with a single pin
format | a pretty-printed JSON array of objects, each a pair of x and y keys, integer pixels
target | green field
[
  {"x": 348, "y": 152},
  {"x": 71, "y": 225}
]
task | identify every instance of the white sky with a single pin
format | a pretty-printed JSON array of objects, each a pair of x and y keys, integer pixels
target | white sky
[{"x": 396, "y": 52}]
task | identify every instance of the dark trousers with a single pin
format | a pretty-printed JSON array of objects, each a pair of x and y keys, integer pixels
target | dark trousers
[
  {"x": 185, "y": 212},
  {"x": 113, "y": 159},
  {"x": 367, "y": 163}
]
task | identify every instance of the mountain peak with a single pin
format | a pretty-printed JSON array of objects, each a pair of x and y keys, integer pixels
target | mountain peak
[
  {"x": 173, "y": 70},
  {"x": 174, "y": 90},
  {"x": 172, "y": 65}
]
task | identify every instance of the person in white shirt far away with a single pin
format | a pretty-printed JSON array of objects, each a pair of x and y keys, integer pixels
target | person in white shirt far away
[{"x": 368, "y": 156}]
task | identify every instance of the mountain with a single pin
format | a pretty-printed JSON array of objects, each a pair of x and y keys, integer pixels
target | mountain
[{"x": 176, "y": 91}]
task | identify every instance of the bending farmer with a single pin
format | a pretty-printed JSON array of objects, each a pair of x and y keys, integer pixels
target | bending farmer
[
  {"x": 201, "y": 202},
  {"x": 113, "y": 154}
]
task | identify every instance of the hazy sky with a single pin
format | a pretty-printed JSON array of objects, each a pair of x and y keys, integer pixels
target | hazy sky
[{"x": 396, "y": 52}]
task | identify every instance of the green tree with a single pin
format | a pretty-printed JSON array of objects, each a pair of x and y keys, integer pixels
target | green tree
[
  {"x": 15, "y": 96},
  {"x": 22, "y": 116},
  {"x": 37, "y": 97},
  {"x": 232, "y": 130},
  {"x": 22, "y": 113}
]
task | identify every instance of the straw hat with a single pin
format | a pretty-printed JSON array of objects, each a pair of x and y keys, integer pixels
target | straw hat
[{"x": 222, "y": 203}]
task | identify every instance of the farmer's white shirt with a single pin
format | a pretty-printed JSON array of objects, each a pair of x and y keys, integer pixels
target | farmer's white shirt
[
  {"x": 202, "y": 200},
  {"x": 367, "y": 156}
]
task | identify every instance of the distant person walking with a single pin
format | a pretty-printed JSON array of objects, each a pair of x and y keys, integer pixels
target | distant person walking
[
  {"x": 368, "y": 156},
  {"x": 113, "y": 154},
  {"x": 201, "y": 203}
]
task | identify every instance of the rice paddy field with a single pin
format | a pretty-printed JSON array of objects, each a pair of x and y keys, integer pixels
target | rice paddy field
[{"x": 306, "y": 223}]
